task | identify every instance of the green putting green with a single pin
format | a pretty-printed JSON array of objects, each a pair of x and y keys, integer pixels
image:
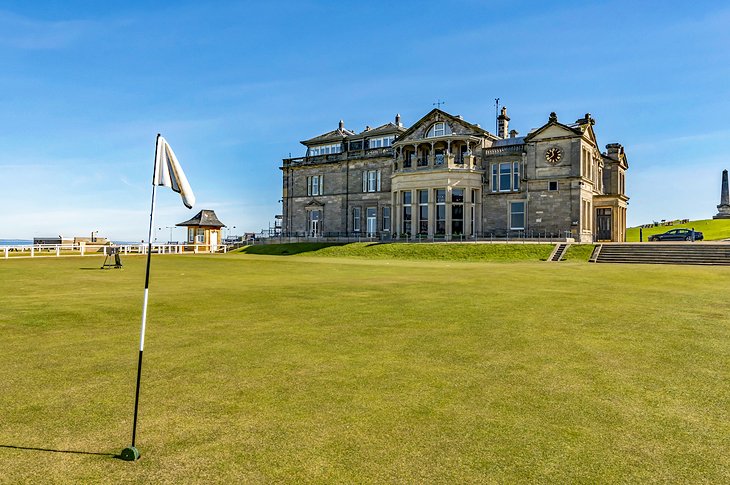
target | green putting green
[{"x": 331, "y": 369}]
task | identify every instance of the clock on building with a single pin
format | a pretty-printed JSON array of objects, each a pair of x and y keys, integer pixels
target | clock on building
[{"x": 553, "y": 155}]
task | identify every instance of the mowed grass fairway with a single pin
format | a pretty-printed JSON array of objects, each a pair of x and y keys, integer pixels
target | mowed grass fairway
[{"x": 314, "y": 369}]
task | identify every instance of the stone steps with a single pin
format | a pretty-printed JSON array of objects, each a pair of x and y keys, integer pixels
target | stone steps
[
  {"x": 664, "y": 253},
  {"x": 558, "y": 252}
]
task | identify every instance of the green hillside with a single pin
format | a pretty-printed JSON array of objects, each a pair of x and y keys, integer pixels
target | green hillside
[{"x": 712, "y": 229}]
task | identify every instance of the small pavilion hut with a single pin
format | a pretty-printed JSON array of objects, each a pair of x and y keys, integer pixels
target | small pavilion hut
[{"x": 204, "y": 229}]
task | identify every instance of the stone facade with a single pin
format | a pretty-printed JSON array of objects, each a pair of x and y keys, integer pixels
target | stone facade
[{"x": 444, "y": 177}]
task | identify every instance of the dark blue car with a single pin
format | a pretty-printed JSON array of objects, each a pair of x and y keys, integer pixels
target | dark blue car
[{"x": 678, "y": 235}]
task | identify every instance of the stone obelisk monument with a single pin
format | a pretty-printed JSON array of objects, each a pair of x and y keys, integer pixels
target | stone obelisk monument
[{"x": 724, "y": 207}]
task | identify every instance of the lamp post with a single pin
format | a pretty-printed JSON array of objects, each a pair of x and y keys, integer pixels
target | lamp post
[{"x": 170, "y": 228}]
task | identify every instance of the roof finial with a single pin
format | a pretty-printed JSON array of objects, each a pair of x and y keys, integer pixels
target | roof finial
[
  {"x": 553, "y": 117},
  {"x": 342, "y": 125}
]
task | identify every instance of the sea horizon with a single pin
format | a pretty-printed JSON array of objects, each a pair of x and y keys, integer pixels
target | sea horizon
[{"x": 26, "y": 242}]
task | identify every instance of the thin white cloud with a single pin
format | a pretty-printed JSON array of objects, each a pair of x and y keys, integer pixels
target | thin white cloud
[{"x": 20, "y": 32}]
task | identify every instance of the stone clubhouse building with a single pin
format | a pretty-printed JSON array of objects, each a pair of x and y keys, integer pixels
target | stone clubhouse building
[{"x": 446, "y": 178}]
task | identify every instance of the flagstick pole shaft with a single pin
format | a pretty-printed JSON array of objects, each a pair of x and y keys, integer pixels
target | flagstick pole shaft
[{"x": 146, "y": 292}]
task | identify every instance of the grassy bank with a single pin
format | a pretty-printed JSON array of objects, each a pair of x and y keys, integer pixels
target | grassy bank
[
  {"x": 340, "y": 370},
  {"x": 408, "y": 251},
  {"x": 712, "y": 229},
  {"x": 578, "y": 252}
]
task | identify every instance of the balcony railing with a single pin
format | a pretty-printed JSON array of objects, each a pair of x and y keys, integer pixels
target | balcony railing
[
  {"x": 337, "y": 157},
  {"x": 445, "y": 160}
]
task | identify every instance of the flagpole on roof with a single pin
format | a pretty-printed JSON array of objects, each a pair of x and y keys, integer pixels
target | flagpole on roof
[{"x": 131, "y": 453}]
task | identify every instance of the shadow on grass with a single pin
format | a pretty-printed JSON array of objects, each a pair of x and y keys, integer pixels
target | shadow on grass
[
  {"x": 51, "y": 450},
  {"x": 286, "y": 249}
]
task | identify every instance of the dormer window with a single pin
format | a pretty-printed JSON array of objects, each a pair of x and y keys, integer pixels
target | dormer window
[
  {"x": 383, "y": 142},
  {"x": 438, "y": 129},
  {"x": 325, "y": 149}
]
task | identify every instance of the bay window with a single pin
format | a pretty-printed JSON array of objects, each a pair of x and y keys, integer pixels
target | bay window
[
  {"x": 423, "y": 211},
  {"x": 457, "y": 211},
  {"x": 407, "y": 212},
  {"x": 440, "y": 211}
]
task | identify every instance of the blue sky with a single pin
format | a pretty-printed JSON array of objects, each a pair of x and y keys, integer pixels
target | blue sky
[{"x": 234, "y": 86}]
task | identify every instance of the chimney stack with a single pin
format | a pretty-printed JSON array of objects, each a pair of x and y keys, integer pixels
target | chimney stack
[
  {"x": 503, "y": 123},
  {"x": 613, "y": 150},
  {"x": 513, "y": 133},
  {"x": 397, "y": 120},
  {"x": 342, "y": 125}
]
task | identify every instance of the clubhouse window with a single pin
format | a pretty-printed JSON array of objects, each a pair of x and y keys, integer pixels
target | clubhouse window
[
  {"x": 315, "y": 185},
  {"x": 517, "y": 215},
  {"x": 325, "y": 149},
  {"x": 382, "y": 142},
  {"x": 506, "y": 177},
  {"x": 356, "y": 219},
  {"x": 407, "y": 212},
  {"x": 438, "y": 129},
  {"x": 423, "y": 211},
  {"x": 386, "y": 218},
  {"x": 457, "y": 211},
  {"x": 440, "y": 211},
  {"x": 371, "y": 181}
]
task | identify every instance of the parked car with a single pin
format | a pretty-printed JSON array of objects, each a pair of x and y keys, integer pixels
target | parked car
[{"x": 677, "y": 235}]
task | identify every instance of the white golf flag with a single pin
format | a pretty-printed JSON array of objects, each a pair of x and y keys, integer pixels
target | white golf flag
[{"x": 169, "y": 173}]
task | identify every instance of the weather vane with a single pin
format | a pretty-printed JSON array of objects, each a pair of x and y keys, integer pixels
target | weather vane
[{"x": 438, "y": 103}]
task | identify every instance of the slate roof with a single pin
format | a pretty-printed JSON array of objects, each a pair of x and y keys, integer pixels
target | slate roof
[
  {"x": 504, "y": 142},
  {"x": 204, "y": 218},
  {"x": 331, "y": 136},
  {"x": 386, "y": 129}
]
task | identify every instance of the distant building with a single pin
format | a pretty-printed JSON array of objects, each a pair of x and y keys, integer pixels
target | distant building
[
  {"x": 446, "y": 177},
  {"x": 57, "y": 240},
  {"x": 204, "y": 229}
]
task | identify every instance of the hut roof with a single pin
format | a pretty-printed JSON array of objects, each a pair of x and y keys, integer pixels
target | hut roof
[{"x": 204, "y": 218}]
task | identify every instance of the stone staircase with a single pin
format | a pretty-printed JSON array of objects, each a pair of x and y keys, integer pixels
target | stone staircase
[
  {"x": 663, "y": 253},
  {"x": 558, "y": 252}
]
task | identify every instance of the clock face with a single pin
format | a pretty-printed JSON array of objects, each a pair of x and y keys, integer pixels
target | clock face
[{"x": 553, "y": 155}]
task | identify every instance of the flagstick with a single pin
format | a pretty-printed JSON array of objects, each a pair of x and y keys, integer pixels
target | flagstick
[{"x": 131, "y": 453}]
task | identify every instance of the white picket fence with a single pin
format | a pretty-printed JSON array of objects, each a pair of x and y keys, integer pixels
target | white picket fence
[{"x": 45, "y": 250}]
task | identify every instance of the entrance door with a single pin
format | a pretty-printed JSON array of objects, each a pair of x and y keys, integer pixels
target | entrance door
[
  {"x": 604, "y": 223},
  {"x": 372, "y": 221},
  {"x": 213, "y": 241},
  {"x": 314, "y": 228}
]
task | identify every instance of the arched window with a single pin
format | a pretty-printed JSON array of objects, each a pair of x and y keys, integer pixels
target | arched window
[{"x": 438, "y": 129}]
